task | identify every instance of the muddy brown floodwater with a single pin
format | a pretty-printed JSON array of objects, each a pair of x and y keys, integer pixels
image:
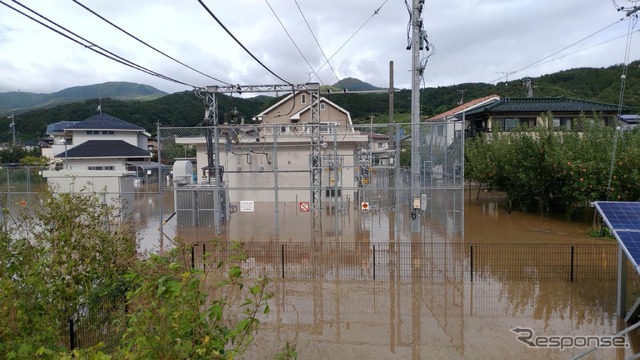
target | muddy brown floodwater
[{"x": 395, "y": 317}]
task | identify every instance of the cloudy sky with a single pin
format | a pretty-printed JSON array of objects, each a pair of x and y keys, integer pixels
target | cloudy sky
[{"x": 475, "y": 41}]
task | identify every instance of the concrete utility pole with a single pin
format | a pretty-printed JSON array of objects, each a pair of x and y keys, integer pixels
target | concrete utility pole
[
  {"x": 416, "y": 74},
  {"x": 13, "y": 126}
]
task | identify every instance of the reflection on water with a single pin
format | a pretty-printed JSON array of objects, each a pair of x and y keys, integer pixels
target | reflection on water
[
  {"x": 431, "y": 320},
  {"x": 423, "y": 303}
]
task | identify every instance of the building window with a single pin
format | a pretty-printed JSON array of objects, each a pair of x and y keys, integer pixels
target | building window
[
  {"x": 102, "y": 168},
  {"x": 93, "y": 132},
  {"x": 440, "y": 130},
  {"x": 104, "y": 132},
  {"x": 333, "y": 192},
  {"x": 510, "y": 124},
  {"x": 322, "y": 106},
  {"x": 563, "y": 123},
  {"x": 325, "y": 128},
  {"x": 303, "y": 98}
]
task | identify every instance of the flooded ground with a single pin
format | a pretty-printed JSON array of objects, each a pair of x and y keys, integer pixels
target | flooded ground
[
  {"x": 416, "y": 317},
  {"x": 432, "y": 320}
]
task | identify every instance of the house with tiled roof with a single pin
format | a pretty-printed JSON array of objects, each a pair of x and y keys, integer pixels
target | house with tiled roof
[
  {"x": 507, "y": 113},
  {"x": 98, "y": 154},
  {"x": 452, "y": 123}
]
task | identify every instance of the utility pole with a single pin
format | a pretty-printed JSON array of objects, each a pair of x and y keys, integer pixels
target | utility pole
[
  {"x": 416, "y": 73},
  {"x": 13, "y": 126}
]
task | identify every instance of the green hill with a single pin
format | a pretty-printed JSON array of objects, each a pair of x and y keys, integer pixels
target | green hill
[
  {"x": 186, "y": 109},
  {"x": 25, "y": 101}
]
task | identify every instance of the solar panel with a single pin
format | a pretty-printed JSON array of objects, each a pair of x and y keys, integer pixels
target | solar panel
[{"x": 623, "y": 218}]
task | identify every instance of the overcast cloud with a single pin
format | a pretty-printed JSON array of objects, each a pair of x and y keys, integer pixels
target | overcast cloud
[{"x": 476, "y": 41}]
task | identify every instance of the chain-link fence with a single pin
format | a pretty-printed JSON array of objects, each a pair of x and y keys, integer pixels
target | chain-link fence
[{"x": 262, "y": 182}]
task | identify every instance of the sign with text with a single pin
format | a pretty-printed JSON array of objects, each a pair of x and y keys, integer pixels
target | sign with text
[{"x": 246, "y": 206}]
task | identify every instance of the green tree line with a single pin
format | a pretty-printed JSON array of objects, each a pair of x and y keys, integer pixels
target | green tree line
[
  {"x": 185, "y": 109},
  {"x": 549, "y": 169}
]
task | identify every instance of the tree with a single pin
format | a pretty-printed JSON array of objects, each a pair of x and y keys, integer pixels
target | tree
[{"x": 57, "y": 258}]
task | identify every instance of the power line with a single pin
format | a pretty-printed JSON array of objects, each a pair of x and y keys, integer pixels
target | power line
[
  {"x": 375, "y": 12},
  {"x": 90, "y": 45},
  {"x": 318, "y": 43},
  {"x": 561, "y": 50},
  {"x": 241, "y": 45},
  {"x": 146, "y": 44},
  {"x": 293, "y": 41}
]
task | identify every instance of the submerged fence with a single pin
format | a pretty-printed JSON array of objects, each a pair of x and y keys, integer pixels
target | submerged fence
[{"x": 420, "y": 261}]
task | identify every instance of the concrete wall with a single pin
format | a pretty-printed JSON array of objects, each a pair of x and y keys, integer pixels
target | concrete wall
[{"x": 117, "y": 186}]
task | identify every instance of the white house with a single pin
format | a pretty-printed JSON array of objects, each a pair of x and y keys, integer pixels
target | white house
[
  {"x": 94, "y": 154},
  {"x": 281, "y": 144}
]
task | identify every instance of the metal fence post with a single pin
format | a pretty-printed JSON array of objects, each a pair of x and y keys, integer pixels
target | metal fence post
[
  {"x": 72, "y": 336},
  {"x": 374, "y": 261},
  {"x": 282, "y": 259},
  {"x": 471, "y": 260},
  {"x": 204, "y": 261},
  {"x": 193, "y": 257},
  {"x": 572, "y": 262}
]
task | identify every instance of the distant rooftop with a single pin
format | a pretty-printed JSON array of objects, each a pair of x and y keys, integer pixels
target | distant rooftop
[
  {"x": 59, "y": 127},
  {"x": 104, "y": 122},
  {"x": 105, "y": 149},
  {"x": 465, "y": 107}
]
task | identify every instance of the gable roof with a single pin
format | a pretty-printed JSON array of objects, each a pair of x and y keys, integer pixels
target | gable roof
[
  {"x": 104, "y": 121},
  {"x": 276, "y": 105},
  {"x": 105, "y": 149},
  {"x": 322, "y": 100},
  {"x": 59, "y": 127},
  {"x": 465, "y": 107},
  {"x": 544, "y": 104}
]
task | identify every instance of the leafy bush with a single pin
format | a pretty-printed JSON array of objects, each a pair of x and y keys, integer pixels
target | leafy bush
[{"x": 556, "y": 169}]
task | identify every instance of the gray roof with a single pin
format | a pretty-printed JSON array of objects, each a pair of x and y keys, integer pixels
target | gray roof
[
  {"x": 544, "y": 104},
  {"x": 58, "y": 128},
  {"x": 105, "y": 149},
  {"x": 104, "y": 122}
]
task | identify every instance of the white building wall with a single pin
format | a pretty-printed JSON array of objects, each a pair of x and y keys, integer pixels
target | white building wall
[
  {"x": 83, "y": 164},
  {"x": 81, "y": 136},
  {"x": 116, "y": 186}
]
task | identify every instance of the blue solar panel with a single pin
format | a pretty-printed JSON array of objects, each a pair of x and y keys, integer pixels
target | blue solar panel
[
  {"x": 623, "y": 218},
  {"x": 620, "y": 215}
]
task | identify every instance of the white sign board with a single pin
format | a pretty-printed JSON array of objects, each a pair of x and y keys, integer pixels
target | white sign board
[{"x": 246, "y": 206}]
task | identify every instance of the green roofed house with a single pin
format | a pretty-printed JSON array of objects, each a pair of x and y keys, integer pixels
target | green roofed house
[{"x": 507, "y": 113}]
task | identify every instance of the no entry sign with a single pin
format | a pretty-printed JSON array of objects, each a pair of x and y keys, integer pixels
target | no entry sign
[{"x": 304, "y": 206}]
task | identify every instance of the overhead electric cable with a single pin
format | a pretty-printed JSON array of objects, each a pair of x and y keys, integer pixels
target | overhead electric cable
[
  {"x": 585, "y": 48},
  {"x": 293, "y": 41},
  {"x": 146, "y": 44},
  {"x": 239, "y": 43},
  {"x": 561, "y": 50},
  {"x": 318, "y": 43},
  {"x": 90, "y": 45},
  {"x": 375, "y": 12},
  {"x": 623, "y": 79}
]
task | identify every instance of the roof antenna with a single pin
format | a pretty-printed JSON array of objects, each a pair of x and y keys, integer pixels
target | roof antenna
[{"x": 99, "y": 109}]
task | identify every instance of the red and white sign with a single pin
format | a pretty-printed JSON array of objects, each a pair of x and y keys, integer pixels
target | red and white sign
[
  {"x": 364, "y": 206},
  {"x": 304, "y": 206}
]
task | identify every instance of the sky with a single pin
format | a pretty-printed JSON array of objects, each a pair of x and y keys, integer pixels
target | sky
[{"x": 474, "y": 41}]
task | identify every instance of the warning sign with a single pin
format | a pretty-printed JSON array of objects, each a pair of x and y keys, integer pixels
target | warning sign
[
  {"x": 246, "y": 206},
  {"x": 304, "y": 206},
  {"x": 364, "y": 206}
]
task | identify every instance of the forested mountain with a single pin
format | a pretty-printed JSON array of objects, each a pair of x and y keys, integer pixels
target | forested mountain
[
  {"x": 18, "y": 101},
  {"x": 186, "y": 109}
]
